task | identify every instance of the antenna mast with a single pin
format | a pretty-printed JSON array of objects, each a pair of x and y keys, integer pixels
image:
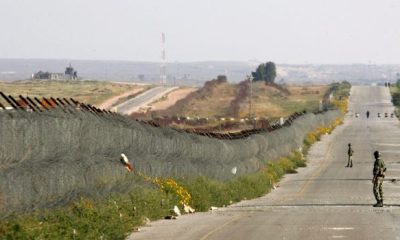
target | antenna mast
[{"x": 163, "y": 68}]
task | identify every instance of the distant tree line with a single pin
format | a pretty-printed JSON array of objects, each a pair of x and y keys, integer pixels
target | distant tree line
[
  {"x": 265, "y": 72},
  {"x": 396, "y": 94}
]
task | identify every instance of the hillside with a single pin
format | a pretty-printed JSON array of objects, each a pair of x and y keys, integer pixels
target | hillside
[
  {"x": 271, "y": 102},
  {"x": 211, "y": 100},
  {"x": 219, "y": 98}
]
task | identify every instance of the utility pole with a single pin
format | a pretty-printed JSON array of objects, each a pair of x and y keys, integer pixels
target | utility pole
[{"x": 163, "y": 68}]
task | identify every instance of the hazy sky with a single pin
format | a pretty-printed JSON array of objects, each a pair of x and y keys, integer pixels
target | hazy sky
[{"x": 284, "y": 31}]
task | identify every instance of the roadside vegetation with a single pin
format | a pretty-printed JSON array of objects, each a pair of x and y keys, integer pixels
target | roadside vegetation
[
  {"x": 340, "y": 89},
  {"x": 395, "y": 91},
  {"x": 338, "y": 95},
  {"x": 91, "y": 92}
]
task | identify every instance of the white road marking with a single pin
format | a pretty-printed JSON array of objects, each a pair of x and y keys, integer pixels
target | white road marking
[
  {"x": 334, "y": 236},
  {"x": 390, "y": 151},
  {"x": 340, "y": 228},
  {"x": 388, "y": 144}
]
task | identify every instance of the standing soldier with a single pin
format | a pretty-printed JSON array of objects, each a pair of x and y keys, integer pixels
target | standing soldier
[
  {"x": 350, "y": 156},
  {"x": 377, "y": 180}
]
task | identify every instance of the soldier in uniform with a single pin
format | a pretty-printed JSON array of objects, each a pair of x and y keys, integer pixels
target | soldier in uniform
[
  {"x": 377, "y": 180},
  {"x": 350, "y": 156}
]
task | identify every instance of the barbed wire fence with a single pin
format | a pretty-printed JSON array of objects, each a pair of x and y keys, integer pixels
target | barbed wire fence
[{"x": 53, "y": 150}]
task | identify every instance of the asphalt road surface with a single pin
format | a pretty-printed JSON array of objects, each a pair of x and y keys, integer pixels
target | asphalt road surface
[
  {"x": 143, "y": 99},
  {"x": 325, "y": 200}
]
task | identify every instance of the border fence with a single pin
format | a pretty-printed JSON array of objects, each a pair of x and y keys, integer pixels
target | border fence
[
  {"x": 70, "y": 105},
  {"x": 53, "y": 150}
]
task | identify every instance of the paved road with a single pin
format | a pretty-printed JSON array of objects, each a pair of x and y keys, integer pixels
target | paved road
[
  {"x": 143, "y": 99},
  {"x": 325, "y": 200}
]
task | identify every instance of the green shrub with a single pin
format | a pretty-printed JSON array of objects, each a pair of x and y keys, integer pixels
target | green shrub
[
  {"x": 206, "y": 192},
  {"x": 396, "y": 98},
  {"x": 85, "y": 219}
]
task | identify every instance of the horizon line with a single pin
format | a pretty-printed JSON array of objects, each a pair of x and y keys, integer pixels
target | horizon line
[{"x": 255, "y": 61}]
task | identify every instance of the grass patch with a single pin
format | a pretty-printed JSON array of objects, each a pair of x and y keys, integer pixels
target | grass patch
[
  {"x": 206, "y": 192},
  {"x": 271, "y": 102},
  {"x": 92, "y": 92},
  {"x": 291, "y": 106},
  {"x": 87, "y": 219}
]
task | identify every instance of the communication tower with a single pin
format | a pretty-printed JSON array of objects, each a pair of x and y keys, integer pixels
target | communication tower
[{"x": 163, "y": 68}]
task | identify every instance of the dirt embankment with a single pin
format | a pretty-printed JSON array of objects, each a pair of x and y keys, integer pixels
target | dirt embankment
[
  {"x": 242, "y": 96},
  {"x": 213, "y": 98}
]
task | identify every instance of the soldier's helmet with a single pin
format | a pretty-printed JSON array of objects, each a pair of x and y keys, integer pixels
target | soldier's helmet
[{"x": 377, "y": 154}]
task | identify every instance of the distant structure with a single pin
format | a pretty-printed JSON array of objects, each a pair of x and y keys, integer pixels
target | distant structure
[
  {"x": 163, "y": 68},
  {"x": 69, "y": 74}
]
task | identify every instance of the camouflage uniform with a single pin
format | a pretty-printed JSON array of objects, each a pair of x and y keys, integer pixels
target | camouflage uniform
[
  {"x": 350, "y": 156},
  {"x": 379, "y": 175}
]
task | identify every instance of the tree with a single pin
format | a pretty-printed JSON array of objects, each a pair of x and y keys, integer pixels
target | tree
[
  {"x": 265, "y": 72},
  {"x": 259, "y": 74},
  {"x": 396, "y": 99},
  {"x": 270, "y": 71}
]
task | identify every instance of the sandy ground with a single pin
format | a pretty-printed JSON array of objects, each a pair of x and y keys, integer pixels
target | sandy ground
[
  {"x": 172, "y": 98},
  {"x": 109, "y": 102}
]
